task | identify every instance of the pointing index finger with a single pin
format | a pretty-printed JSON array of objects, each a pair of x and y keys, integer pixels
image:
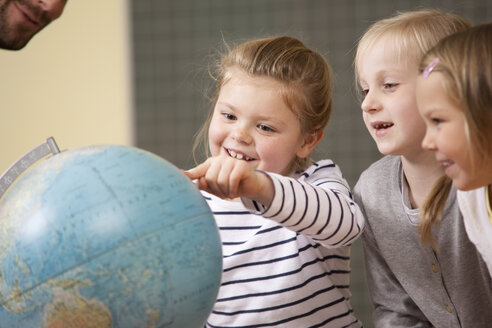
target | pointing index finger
[{"x": 198, "y": 171}]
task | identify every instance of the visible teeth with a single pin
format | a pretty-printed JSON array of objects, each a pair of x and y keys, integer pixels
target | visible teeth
[
  {"x": 232, "y": 153},
  {"x": 384, "y": 125}
]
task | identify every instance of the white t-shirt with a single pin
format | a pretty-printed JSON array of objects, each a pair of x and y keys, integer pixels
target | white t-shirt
[{"x": 478, "y": 226}]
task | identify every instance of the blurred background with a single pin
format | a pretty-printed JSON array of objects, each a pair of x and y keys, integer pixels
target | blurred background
[{"x": 135, "y": 72}]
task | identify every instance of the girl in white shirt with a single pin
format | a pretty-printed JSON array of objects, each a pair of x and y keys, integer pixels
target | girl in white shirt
[{"x": 454, "y": 96}]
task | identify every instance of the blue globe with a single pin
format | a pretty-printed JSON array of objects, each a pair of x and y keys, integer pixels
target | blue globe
[{"x": 106, "y": 236}]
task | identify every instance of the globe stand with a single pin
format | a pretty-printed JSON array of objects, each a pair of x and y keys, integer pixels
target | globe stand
[{"x": 31, "y": 157}]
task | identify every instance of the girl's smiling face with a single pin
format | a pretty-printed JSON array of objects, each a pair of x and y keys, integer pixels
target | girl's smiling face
[
  {"x": 446, "y": 134},
  {"x": 389, "y": 108},
  {"x": 252, "y": 122}
]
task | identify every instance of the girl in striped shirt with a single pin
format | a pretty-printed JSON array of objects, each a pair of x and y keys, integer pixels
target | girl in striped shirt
[{"x": 286, "y": 222}]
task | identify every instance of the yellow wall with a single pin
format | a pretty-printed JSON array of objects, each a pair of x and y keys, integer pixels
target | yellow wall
[{"x": 72, "y": 81}]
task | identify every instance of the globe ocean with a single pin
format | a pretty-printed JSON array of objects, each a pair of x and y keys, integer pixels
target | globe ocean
[{"x": 106, "y": 236}]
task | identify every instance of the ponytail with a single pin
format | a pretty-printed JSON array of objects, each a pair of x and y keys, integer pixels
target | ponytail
[{"x": 433, "y": 208}]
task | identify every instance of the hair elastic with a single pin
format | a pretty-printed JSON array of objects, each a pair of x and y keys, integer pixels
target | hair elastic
[{"x": 430, "y": 67}]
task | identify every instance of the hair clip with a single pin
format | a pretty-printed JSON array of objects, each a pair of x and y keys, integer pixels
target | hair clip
[{"x": 430, "y": 67}]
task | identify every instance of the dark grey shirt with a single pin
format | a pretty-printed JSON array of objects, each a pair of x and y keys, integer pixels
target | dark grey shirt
[{"x": 411, "y": 285}]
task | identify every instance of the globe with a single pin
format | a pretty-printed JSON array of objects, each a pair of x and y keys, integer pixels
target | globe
[{"x": 106, "y": 236}]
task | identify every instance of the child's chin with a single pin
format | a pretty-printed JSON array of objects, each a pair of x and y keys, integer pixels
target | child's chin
[
  {"x": 466, "y": 185},
  {"x": 385, "y": 151}
]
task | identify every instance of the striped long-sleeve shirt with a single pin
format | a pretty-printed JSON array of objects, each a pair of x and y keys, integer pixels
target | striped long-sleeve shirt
[{"x": 288, "y": 265}]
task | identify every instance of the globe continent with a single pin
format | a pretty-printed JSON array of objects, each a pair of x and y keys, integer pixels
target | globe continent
[{"x": 106, "y": 236}]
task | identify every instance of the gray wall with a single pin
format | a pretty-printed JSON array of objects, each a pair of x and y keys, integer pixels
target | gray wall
[{"x": 175, "y": 42}]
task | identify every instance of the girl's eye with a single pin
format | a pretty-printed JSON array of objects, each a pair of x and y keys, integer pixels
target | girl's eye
[
  {"x": 389, "y": 86},
  {"x": 436, "y": 120},
  {"x": 265, "y": 128},
  {"x": 229, "y": 116},
  {"x": 364, "y": 92}
]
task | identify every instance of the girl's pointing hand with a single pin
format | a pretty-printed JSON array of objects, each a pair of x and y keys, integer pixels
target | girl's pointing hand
[{"x": 228, "y": 178}]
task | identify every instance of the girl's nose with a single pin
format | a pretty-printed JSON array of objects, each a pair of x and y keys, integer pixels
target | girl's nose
[
  {"x": 428, "y": 141},
  {"x": 370, "y": 103},
  {"x": 242, "y": 135}
]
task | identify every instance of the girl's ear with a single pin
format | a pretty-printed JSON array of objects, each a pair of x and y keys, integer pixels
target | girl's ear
[{"x": 310, "y": 141}]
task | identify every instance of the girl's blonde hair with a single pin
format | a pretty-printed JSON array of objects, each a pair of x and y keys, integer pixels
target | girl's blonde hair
[
  {"x": 414, "y": 33},
  {"x": 465, "y": 62},
  {"x": 304, "y": 74}
]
